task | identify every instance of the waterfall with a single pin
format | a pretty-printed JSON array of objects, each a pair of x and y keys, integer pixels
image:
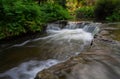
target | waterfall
[{"x": 92, "y": 28}]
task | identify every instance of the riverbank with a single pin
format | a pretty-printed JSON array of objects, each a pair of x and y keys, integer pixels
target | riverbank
[
  {"x": 99, "y": 61},
  {"x": 30, "y": 35}
]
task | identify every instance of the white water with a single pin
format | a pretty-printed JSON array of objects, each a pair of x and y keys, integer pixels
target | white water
[
  {"x": 70, "y": 35},
  {"x": 28, "y": 70}
]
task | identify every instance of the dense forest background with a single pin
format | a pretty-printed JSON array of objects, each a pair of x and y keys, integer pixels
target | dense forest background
[{"x": 23, "y": 16}]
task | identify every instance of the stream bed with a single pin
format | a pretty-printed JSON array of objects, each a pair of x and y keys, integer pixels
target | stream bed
[{"x": 25, "y": 59}]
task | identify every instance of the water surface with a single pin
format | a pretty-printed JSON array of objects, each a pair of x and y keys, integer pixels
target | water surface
[{"x": 24, "y": 60}]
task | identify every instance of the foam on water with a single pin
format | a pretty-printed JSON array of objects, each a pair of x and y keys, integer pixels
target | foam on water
[
  {"x": 64, "y": 34},
  {"x": 28, "y": 70},
  {"x": 71, "y": 34}
]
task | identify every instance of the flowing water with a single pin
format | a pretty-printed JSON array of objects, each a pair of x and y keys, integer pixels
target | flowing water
[{"x": 24, "y": 60}]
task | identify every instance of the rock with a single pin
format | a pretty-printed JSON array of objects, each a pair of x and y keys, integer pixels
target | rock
[
  {"x": 62, "y": 23},
  {"x": 104, "y": 32},
  {"x": 46, "y": 74}
]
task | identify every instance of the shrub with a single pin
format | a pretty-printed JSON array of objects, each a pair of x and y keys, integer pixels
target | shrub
[
  {"x": 107, "y": 10},
  {"x": 22, "y": 16},
  {"x": 18, "y": 16},
  {"x": 113, "y": 17},
  {"x": 61, "y": 2},
  {"x": 52, "y": 12},
  {"x": 85, "y": 12}
]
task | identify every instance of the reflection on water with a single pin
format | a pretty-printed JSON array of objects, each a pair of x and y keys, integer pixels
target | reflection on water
[
  {"x": 115, "y": 34},
  {"x": 114, "y": 31}
]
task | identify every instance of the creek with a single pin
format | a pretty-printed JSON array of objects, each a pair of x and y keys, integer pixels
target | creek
[{"x": 24, "y": 60}]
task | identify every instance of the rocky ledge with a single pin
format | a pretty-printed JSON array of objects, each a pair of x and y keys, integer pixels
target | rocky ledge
[{"x": 98, "y": 62}]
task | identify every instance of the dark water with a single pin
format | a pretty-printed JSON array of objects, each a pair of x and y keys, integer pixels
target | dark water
[{"x": 115, "y": 34}]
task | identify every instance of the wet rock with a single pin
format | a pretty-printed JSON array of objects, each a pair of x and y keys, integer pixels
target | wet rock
[
  {"x": 61, "y": 23},
  {"x": 60, "y": 70},
  {"x": 45, "y": 74},
  {"x": 104, "y": 32}
]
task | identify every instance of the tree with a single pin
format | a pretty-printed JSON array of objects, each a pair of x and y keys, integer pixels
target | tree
[
  {"x": 61, "y": 2},
  {"x": 41, "y": 1}
]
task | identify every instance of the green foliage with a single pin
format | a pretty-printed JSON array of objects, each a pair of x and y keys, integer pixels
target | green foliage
[
  {"x": 113, "y": 17},
  {"x": 52, "y": 12},
  {"x": 61, "y": 2},
  {"x": 108, "y": 10},
  {"x": 85, "y": 12},
  {"x": 22, "y": 16},
  {"x": 18, "y": 17}
]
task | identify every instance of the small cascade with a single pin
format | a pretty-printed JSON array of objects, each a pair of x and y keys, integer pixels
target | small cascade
[
  {"x": 70, "y": 25},
  {"x": 75, "y": 25},
  {"x": 90, "y": 27},
  {"x": 53, "y": 26}
]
